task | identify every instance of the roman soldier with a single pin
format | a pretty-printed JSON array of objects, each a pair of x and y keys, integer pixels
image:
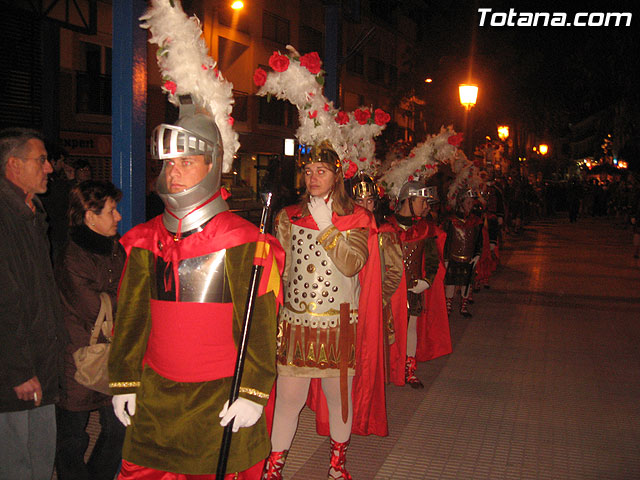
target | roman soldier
[{"x": 462, "y": 249}]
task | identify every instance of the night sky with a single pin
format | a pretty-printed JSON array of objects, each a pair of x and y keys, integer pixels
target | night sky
[{"x": 544, "y": 77}]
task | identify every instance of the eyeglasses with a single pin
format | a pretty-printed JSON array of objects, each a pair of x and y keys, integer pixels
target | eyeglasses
[{"x": 41, "y": 159}]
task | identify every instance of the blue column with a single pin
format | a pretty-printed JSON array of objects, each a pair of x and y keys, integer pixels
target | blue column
[
  {"x": 332, "y": 51},
  {"x": 129, "y": 108}
]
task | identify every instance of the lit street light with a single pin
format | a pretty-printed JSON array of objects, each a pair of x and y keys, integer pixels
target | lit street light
[
  {"x": 237, "y": 5},
  {"x": 468, "y": 96},
  {"x": 543, "y": 149},
  {"x": 503, "y": 132}
]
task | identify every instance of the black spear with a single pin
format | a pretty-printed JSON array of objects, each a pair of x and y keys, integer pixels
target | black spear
[{"x": 244, "y": 335}]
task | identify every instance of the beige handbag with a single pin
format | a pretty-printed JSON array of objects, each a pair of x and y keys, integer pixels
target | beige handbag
[{"x": 91, "y": 361}]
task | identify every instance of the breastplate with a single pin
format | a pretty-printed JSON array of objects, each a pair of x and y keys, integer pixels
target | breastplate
[
  {"x": 200, "y": 279},
  {"x": 315, "y": 287},
  {"x": 413, "y": 258},
  {"x": 463, "y": 242}
]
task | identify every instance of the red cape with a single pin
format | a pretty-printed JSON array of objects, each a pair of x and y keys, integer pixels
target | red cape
[
  {"x": 225, "y": 230},
  {"x": 434, "y": 338},
  {"x": 368, "y": 395}
]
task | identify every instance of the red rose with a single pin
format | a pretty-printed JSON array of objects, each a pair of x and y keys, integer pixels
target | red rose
[
  {"x": 279, "y": 62},
  {"x": 342, "y": 118},
  {"x": 362, "y": 116},
  {"x": 171, "y": 86},
  {"x": 313, "y": 114},
  {"x": 312, "y": 62},
  {"x": 259, "y": 77},
  {"x": 326, "y": 107},
  {"x": 362, "y": 159},
  {"x": 410, "y": 178},
  {"x": 351, "y": 171},
  {"x": 231, "y": 120},
  {"x": 455, "y": 140},
  {"x": 381, "y": 117}
]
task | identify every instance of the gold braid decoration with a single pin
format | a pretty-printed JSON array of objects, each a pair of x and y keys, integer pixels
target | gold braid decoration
[
  {"x": 123, "y": 384},
  {"x": 332, "y": 244},
  {"x": 254, "y": 392},
  {"x": 326, "y": 234}
]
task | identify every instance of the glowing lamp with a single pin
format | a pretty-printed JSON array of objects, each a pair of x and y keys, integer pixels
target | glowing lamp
[
  {"x": 237, "y": 5},
  {"x": 468, "y": 95},
  {"x": 543, "y": 149},
  {"x": 503, "y": 132}
]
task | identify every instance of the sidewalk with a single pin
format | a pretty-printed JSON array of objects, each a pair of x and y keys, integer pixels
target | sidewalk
[{"x": 543, "y": 381}]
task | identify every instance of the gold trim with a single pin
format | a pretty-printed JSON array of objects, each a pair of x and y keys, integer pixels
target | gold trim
[
  {"x": 460, "y": 258},
  {"x": 254, "y": 392},
  {"x": 333, "y": 243},
  {"x": 328, "y": 313},
  {"x": 326, "y": 234},
  {"x": 123, "y": 384}
]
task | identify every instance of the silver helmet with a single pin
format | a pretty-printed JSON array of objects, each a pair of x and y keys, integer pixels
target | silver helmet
[
  {"x": 193, "y": 134},
  {"x": 417, "y": 189}
]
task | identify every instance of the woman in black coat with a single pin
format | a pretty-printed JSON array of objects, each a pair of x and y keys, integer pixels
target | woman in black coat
[{"x": 91, "y": 263}]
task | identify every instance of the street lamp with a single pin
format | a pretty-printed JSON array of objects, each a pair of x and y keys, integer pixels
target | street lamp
[
  {"x": 543, "y": 149},
  {"x": 237, "y": 5},
  {"x": 503, "y": 132},
  {"x": 468, "y": 95}
]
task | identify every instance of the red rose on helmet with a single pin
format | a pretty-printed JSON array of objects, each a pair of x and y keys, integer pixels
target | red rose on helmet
[
  {"x": 259, "y": 77},
  {"x": 351, "y": 170},
  {"x": 279, "y": 62},
  {"x": 455, "y": 140},
  {"x": 381, "y": 117},
  {"x": 171, "y": 86},
  {"x": 342, "y": 118},
  {"x": 311, "y": 61},
  {"x": 362, "y": 116},
  {"x": 313, "y": 114}
]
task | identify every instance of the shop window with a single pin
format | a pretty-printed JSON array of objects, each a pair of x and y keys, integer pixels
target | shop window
[
  {"x": 355, "y": 64},
  {"x": 93, "y": 79},
  {"x": 275, "y": 28},
  {"x": 310, "y": 41}
]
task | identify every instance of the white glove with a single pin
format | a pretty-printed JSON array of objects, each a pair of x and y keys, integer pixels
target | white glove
[
  {"x": 321, "y": 212},
  {"x": 474, "y": 260},
  {"x": 420, "y": 286},
  {"x": 124, "y": 407},
  {"x": 492, "y": 246},
  {"x": 243, "y": 412}
]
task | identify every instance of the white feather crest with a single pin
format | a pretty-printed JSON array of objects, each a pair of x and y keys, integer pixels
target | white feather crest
[
  {"x": 423, "y": 161},
  {"x": 350, "y": 134},
  {"x": 187, "y": 68}
]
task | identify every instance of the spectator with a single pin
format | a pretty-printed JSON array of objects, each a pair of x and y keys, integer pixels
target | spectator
[
  {"x": 31, "y": 330},
  {"x": 91, "y": 263}
]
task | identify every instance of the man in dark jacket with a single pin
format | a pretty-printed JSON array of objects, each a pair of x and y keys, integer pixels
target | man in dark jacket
[{"x": 31, "y": 329}]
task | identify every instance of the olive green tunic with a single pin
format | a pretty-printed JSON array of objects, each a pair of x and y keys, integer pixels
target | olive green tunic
[{"x": 176, "y": 427}]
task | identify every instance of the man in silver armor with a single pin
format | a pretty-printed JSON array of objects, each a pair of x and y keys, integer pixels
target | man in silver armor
[
  {"x": 420, "y": 257},
  {"x": 180, "y": 313}
]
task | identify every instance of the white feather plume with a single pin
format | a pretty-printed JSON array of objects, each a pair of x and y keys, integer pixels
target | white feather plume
[
  {"x": 183, "y": 59},
  {"x": 423, "y": 161},
  {"x": 320, "y": 121}
]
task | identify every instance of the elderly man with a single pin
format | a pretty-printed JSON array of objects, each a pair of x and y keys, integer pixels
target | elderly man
[{"x": 31, "y": 330}]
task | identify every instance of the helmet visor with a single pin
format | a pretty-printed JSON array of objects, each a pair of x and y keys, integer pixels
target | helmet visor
[{"x": 169, "y": 141}]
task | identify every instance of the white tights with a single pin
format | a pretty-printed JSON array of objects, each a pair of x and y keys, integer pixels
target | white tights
[
  {"x": 290, "y": 398},
  {"x": 412, "y": 336}
]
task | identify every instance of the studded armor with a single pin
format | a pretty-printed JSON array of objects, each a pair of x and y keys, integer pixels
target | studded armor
[{"x": 315, "y": 288}]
